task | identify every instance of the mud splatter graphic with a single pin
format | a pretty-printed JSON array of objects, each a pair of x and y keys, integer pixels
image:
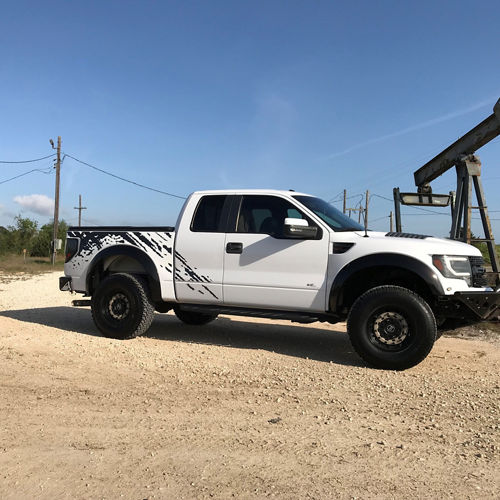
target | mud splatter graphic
[{"x": 158, "y": 245}]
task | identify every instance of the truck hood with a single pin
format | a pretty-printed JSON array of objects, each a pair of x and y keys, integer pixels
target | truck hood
[{"x": 404, "y": 243}]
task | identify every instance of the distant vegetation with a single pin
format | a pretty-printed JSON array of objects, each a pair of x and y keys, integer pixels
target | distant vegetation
[
  {"x": 25, "y": 234},
  {"x": 484, "y": 250}
]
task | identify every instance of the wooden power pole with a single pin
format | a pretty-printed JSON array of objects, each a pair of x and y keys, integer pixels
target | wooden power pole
[
  {"x": 80, "y": 208},
  {"x": 56, "y": 200},
  {"x": 366, "y": 209}
]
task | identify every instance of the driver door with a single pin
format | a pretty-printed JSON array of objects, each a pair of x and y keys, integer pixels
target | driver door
[{"x": 264, "y": 268}]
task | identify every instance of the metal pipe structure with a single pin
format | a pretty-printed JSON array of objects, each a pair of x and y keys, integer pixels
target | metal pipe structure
[
  {"x": 461, "y": 155},
  {"x": 468, "y": 144}
]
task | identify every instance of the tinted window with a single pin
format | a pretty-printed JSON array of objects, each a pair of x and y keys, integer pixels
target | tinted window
[
  {"x": 333, "y": 217},
  {"x": 208, "y": 215},
  {"x": 266, "y": 215}
]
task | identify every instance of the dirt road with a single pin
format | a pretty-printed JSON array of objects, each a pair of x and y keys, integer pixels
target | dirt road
[{"x": 238, "y": 408}]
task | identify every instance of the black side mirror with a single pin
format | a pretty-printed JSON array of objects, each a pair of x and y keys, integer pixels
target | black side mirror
[{"x": 299, "y": 229}]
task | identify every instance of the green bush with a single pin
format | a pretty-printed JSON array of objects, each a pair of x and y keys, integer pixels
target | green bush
[{"x": 24, "y": 234}]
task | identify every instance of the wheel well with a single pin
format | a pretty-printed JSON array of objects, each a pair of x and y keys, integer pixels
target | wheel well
[
  {"x": 365, "y": 279},
  {"x": 120, "y": 263},
  {"x": 123, "y": 264}
]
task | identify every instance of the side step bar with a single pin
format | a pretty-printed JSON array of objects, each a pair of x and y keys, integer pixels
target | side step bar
[
  {"x": 297, "y": 317},
  {"x": 81, "y": 303}
]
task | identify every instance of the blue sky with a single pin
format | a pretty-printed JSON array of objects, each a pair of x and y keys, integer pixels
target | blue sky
[{"x": 317, "y": 96}]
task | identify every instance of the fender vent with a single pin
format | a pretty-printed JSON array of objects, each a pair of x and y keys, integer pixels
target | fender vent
[
  {"x": 340, "y": 247},
  {"x": 407, "y": 235}
]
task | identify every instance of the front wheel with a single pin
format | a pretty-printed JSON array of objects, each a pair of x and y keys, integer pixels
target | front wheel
[
  {"x": 121, "y": 306},
  {"x": 391, "y": 327}
]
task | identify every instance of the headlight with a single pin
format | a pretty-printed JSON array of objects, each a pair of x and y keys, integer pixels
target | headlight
[{"x": 453, "y": 266}]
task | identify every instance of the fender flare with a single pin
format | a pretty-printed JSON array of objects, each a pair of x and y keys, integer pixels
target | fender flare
[
  {"x": 135, "y": 253},
  {"x": 394, "y": 260}
]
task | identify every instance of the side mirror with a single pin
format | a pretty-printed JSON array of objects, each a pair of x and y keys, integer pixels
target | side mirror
[{"x": 299, "y": 229}]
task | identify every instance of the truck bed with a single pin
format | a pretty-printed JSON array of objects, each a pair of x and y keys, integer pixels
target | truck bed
[{"x": 156, "y": 242}]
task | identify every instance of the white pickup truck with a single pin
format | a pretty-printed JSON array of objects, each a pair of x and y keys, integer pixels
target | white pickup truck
[{"x": 281, "y": 255}]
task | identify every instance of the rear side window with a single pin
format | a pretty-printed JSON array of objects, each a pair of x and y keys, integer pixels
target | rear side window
[{"x": 207, "y": 217}]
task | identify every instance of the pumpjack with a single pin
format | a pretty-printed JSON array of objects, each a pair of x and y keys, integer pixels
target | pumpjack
[{"x": 461, "y": 155}]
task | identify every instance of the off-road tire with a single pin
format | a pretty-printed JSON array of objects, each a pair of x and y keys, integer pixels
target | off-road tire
[
  {"x": 391, "y": 327},
  {"x": 194, "y": 318},
  {"x": 122, "y": 307}
]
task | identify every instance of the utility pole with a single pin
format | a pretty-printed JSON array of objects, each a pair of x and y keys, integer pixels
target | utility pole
[
  {"x": 366, "y": 209},
  {"x": 390, "y": 219},
  {"x": 349, "y": 210},
  {"x": 56, "y": 200},
  {"x": 80, "y": 208},
  {"x": 397, "y": 208}
]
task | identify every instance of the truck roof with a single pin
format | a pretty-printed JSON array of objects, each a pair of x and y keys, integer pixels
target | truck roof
[{"x": 286, "y": 192}]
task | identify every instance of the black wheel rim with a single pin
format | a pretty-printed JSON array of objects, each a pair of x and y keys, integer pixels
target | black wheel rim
[
  {"x": 119, "y": 306},
  {"x": 389, "y": 330},
  {"x": 116, "y": 308}
]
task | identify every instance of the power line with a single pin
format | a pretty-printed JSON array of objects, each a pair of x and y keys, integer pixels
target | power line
[
  {"x": 422, "y": 215},
  {"x": 46, "y": 171},
  {"x": 380, "y": 196},
  {"x": 389, "y": 172},
  {"x": 30, "y": 161},
  {"x": 380, "y": 218},
  {"x": 123, "y": 178},
  {"x": 337, "y": 196},
  {"x": 355, "y": 196}
]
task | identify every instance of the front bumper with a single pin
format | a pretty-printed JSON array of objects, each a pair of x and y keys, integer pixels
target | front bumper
[
  {"x": 65, "y": 284},
  {"x": 472, "y": 305}
]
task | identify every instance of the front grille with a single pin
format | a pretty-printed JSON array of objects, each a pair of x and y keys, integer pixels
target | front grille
[{"x": 478, "y": 272}]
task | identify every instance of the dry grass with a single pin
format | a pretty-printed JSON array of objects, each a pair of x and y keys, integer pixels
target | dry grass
[{"x": 14, "y": 266}]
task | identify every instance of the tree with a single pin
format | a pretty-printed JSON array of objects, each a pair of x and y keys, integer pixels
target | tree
[
  {"x": 22, "y": 234},
  {"x": 41, "y": 245},
  {"x": 5, "y": 240}
]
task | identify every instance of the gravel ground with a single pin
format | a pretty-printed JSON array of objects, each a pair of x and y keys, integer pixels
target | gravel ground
[{"x": 237, "y": 408}]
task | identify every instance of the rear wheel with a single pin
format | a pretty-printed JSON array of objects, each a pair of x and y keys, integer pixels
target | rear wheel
[
  {"x": 194, "y": 318},
  {"x": 122, "y": 307},
  {"x": 391, "y": 327}
]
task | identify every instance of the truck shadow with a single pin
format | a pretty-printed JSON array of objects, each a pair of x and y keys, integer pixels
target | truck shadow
[{"x": 292, "y": 340}]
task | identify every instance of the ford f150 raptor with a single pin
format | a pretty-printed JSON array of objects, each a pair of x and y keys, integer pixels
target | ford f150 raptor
[{"x": 282, "y": 255}]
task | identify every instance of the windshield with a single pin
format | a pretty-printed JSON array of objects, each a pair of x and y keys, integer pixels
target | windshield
[{"x": 329, "y": 214}]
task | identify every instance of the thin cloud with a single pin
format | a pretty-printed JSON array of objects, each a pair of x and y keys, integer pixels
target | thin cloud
[
  {"x": 6, "y": 213},
  {"x": 36, "y": 203},
  {"x": 413, "y": 128}
]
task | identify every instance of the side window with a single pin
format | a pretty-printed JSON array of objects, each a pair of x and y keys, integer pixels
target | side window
[
  {"x": 293, "y": 213},
  {"x": 207, "y": 217},
  {"x": 265, "y": 215}
]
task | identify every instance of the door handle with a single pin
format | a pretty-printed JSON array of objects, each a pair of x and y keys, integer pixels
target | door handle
[{"x": 233, "y": 247}]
